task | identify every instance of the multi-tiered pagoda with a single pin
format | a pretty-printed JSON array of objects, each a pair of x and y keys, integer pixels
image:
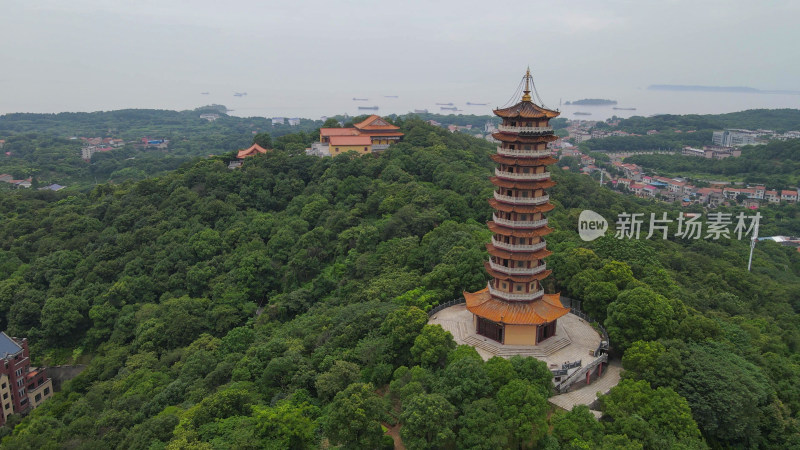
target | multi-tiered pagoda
[{"x": 513, "y": 309}]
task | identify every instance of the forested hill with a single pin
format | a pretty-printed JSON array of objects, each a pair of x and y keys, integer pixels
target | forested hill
[
  {"x": 779, "y": 120},
  {"x": 282, "y": 306}
]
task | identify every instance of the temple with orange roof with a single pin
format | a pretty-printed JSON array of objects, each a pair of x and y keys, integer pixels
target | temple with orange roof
[
  {"x": 254, "y": 149},
  {"x": 379, "y": 132},
  {"x": 513, "y": 308}
]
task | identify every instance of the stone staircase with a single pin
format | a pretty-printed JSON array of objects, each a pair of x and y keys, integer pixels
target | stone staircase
[{"x": 542, "y": 350}]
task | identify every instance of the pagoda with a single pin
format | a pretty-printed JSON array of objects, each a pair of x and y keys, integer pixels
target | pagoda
[{"x": 513, "y": 308}]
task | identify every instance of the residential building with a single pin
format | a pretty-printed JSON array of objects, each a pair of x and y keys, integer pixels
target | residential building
[
  {"x": 22, "y": 387},
  {"x": 733, "y": 138},
  {"x": 772, "y": 196},
  {"x": 789, "y": 196},
  {"x": 278, "y": 120}
]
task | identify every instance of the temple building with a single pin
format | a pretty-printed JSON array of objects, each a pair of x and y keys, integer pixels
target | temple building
[
  {"x": 371, "y": 135},
  {"x": 513, "y": 309}
]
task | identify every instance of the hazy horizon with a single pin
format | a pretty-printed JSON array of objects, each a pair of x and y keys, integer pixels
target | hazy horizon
[{"x": 316, "y": 56}]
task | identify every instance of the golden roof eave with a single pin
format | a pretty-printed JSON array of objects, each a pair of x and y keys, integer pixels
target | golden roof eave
[
  {"x": 524, "y": 139},
  {"x": 537, "y": 312},
  {"x": 522, "y": 184},
  {"x": 526, "y": 110},
  {"x": 525, "y": 162},
  {"x": 522, "y": 209},
  {"x": 495, "y": 227}
]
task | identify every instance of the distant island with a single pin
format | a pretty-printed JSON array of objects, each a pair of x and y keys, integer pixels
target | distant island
[
  {"x": 729, "y": 89},
  {"x": 592, "y": 102}
]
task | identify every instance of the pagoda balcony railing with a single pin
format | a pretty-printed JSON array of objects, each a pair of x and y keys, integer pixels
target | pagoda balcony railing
[
  {"x": 517, "y": 270},
  {"x": 527, "y": 296},
  {"x": 522, "y": 176},
  {"x": 535, "y": 130},
  {"x": 519, "y": 223},
  {"x": 517, "y": 247},
  {"x": 379, "y": 147},
  {"x": 522, "y": 200},
  {"x": 518, "y": 152}
]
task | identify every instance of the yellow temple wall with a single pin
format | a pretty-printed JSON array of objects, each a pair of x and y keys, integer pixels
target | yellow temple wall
[
  {"x": 520, "y": 335},
  {"x": 339, "y": 149}
]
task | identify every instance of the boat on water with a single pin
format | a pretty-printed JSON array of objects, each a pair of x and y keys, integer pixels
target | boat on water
[
  {"x": 581, "y": 113},
  {"x": 390, "y": 96},
  {"x": 421, "y": 111},
  {"x": 371, "y": 108},
  {"x": 449, "y": 108},
  {"x": 356, "y": 99},
  {"x": 624, "y": 109},
  {"x": 445, "y": 104},
  {"x": 476, "y": 104}
]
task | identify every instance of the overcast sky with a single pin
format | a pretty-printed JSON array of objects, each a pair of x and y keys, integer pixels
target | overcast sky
[{"x": 86, "y": 55}]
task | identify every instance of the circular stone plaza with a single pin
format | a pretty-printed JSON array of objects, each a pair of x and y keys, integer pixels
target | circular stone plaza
[{"x": 512, "y": 315}]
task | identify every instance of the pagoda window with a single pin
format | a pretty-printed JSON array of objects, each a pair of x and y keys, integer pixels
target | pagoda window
[
  {"x": 525, "y": 170},
  {"x": 511, "y": 147},
  {"x": 505, "y": 285},
  {"x": 523, "y": 217},
  {"x": 525, "y": 194},
  {"x": 518, "y": 287}
]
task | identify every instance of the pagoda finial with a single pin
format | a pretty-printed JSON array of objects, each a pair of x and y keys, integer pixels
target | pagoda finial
[{"x": 527, "y": 91}]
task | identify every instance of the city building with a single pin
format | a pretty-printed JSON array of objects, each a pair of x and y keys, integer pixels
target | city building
[
  {"x": 22, "y": 387},
  {"x": 733, "y": 138},
  {"x": 513, "y": 309}
]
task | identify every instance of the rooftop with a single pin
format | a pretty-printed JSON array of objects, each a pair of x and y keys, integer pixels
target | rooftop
[{"x": 8, "y": 346}]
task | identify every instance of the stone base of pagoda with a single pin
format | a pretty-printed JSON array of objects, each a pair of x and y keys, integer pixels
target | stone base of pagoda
[{"x": 574, "y": 340}]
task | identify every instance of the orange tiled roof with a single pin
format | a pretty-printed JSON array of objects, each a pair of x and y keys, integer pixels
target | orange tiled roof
[
  {"x": 520, "y": 184},
  {"x": 522, "y": 209},
  {"x": 537, "y": 312},
  {"x": 524, "y": 139},
  {"x": 526, "y": 109},
  {"x": 327, "y": 132},
  {"x": 518, "y": 278},
  {"x": 500, "y": 229},
  {"x": 547, "y": 160},
  {"x": 253, "y": 150},
  {"x": 351, "y": 140},
  {"x": 375, "y": 122},
  {"x": 518, "y": 256},
  {"x": 378, "y": 133}
]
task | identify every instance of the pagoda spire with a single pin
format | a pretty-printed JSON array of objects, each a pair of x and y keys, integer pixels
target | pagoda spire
[{"x": 527, "y": 91}]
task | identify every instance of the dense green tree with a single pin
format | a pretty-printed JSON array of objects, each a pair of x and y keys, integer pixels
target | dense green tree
[
  {"x": 481, "y": 426},
  {"x": 428, "y": 422},
  {"x": 354, "y": 417},
  {"x": 639, "y": 314},
  {"x": 523, "y": 407},
  {"x": 432, "y": 345}
]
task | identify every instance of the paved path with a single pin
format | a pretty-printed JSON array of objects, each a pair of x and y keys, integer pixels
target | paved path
[
  {"x": 587, "y": 394},
  {"x": 575, "y": 340}
]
